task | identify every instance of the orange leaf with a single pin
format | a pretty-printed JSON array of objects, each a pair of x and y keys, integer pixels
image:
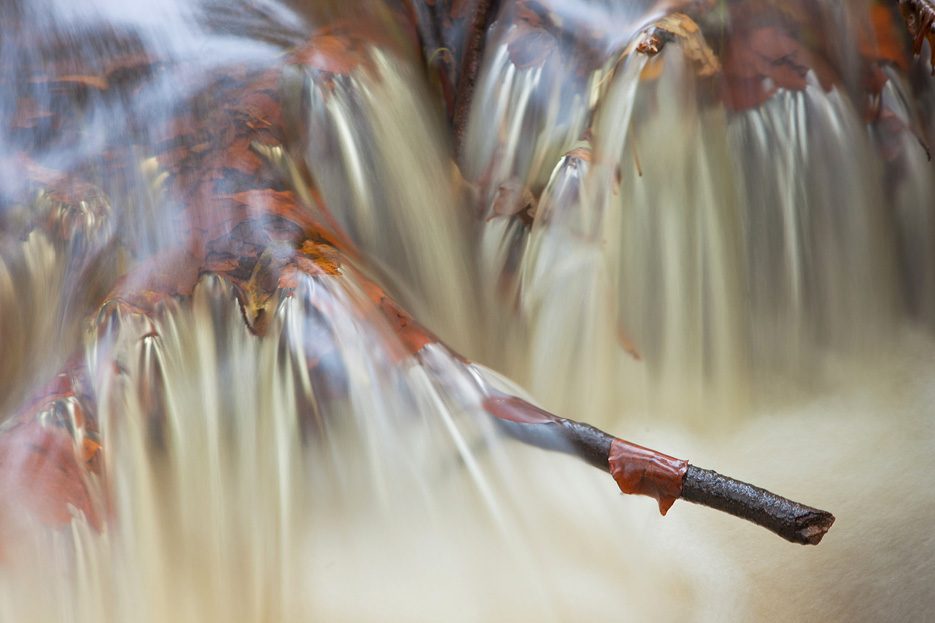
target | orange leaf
[{"x": 39, "y": 471}]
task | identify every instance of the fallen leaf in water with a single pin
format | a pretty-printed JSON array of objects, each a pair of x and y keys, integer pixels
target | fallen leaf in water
[
  {"x": 40, "y": 472},
  {"x": 28, "y": 113},
  {"x": 883, "y": 42},
  {"x": 759, "y": 61},
  {"x": 695, "y": 48},
  {"x": 529, "y": 46},
  {"x": 90, "y": 81},
  {"x": 682, "y": 29},
  {"x": 331, "y": 53},
  {"x": 515, "y": 198},
  {"x": 170, "y": 272},
  {"x": 920, "y": 19}
]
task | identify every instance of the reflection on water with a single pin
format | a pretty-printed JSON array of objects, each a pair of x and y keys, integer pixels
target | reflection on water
[{"x": 699, "y": 232}]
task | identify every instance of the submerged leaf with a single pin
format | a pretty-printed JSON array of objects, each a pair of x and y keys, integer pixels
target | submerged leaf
[{"x": 920, "y": 19}]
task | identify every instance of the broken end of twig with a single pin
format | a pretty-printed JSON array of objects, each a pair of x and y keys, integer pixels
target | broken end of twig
[
  {"x": 792, "y": 521},
  {"x": 639, "y": 470},
  {"x": 813, "y": 526}
]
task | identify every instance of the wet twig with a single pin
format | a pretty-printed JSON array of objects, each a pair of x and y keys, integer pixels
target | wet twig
[
  {"x": 792, "y": 521},
  {"x": 920, "y": 21},
  {"x": 647, "y": 472},
  {"x": 476, "y": 37}
]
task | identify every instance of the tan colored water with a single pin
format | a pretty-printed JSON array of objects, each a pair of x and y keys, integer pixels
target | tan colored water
[{"x": 752, "y": 259}]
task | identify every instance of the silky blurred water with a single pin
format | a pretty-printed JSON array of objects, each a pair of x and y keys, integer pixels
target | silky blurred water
[{"x": 751, "y": 290}]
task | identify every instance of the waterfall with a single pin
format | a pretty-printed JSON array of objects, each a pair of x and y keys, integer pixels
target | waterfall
[{"x": 701, "y": 231}]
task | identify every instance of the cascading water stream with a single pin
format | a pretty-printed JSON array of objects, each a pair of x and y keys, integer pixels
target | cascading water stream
[{"x": 744, "y": 281}]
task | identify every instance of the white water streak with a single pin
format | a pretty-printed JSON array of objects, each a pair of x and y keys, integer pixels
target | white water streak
[{"x": 752, "y": 263}]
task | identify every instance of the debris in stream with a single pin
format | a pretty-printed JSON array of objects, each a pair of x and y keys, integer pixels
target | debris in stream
[
  {"x": 920, "y": 20},
  {"x": 279, "y": 182}
]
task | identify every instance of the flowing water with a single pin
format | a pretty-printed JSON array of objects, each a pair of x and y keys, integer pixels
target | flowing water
[{"x": 749, "y": 286}]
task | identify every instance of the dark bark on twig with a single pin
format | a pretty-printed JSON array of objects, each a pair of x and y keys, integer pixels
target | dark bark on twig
[
  {"x": 427, "y": 24},
  {"x": 589, "y": 444},
  {"x": 484, "y": 13},
  {"x": 792, "y": 521}
]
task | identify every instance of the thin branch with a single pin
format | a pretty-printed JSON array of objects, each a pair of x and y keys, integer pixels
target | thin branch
[
  {"x": 920, "y": 21},
  {"x": 792, "y": 521},
  {"x": 476, "y": 37},
  {"x": 647, "y": 472}
]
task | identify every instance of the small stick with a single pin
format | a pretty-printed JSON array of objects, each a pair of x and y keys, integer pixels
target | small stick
[
  {"x": 647, "y": 472},
  {"x": 637, "y": 470},
  {"x": 792, "y": 521},
  {"x": 470, "y": 66}
]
